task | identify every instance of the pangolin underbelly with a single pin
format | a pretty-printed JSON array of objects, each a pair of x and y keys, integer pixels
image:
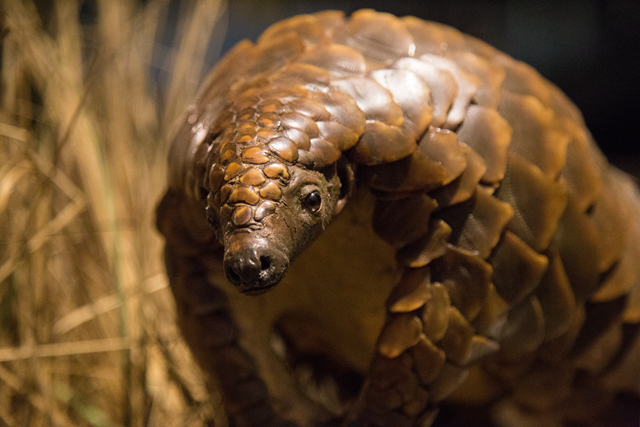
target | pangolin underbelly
[{"x": 485, "y": 252}]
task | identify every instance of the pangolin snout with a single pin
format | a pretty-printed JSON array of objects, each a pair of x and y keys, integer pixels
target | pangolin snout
[{"x": 254, "y": 264}]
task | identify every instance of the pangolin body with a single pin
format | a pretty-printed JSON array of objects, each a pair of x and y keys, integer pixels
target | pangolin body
[{"x": 486, "y": 253}]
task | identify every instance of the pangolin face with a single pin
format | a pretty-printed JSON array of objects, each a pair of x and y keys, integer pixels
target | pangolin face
[{"x": 266, "y": 210}]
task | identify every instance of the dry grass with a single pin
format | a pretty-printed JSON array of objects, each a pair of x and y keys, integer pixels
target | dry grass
[{"x": 87, "y": 336}]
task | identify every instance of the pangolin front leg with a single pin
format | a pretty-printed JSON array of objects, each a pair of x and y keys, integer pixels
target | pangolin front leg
[{"x": 427, "y": 345}]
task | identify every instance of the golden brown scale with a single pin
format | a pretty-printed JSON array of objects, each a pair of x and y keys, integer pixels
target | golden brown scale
[{"x": 485, "y": 254}]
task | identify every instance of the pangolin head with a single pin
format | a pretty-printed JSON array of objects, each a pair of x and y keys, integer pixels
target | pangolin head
[{"x": 271, "y": 191}]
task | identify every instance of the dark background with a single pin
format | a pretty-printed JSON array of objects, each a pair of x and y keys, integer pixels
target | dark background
[{"x": 589, "y": 48}]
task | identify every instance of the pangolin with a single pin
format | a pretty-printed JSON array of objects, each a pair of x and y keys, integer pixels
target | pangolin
[{"x": 485, "y": 255}]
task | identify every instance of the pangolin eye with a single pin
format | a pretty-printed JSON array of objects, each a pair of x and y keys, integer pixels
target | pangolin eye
[{"x": 312, "y": 201}]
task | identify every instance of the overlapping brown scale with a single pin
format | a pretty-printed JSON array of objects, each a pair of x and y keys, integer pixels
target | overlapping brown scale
[
  {"x": 411, "y": 292},
  {"x": 310, "y": 108},
  {"x": 438, "y": 160},
  {"x": 537, "y": 200},
  {"x": 485, "y": 224},
  {"x": 284, "y": 94},
  {"x": 243, "y": 195},
  {"x": 264, "y": 209},
  {"x": 449, "y": 379},
  {"x": 556, "y": 297},
  {"x": 524, "y": 330},
  {"x": 385, "y": 372},
  {"x": 276, "y": 170},
  {"x": 442, "y": 84},
  {"x": 625, "y": 277},
  {"x": 493, "y": 315},
  {"x": 241, "y": 215},
  {"x": 435, "y": 314},
  {"x": 246, "y": 114},
  {"x": 298, "y": 137},
  {"x": 491, "y": 75},
  {"x": 253, "y": 176},
  {"x": 582, "y": 169},
  {"x": 222, "y": 122},
  {"x": 340, "y": 136},
  {"x": 524, "y": 80},
  {"x": 330, "y": 20},
  {"x": 270, "y": 106},
  {"x": 301, "y": 122},
  {"x": 381, "y": 143},
  {"x": 428, "y": 37},
  {"x": 247, "y": 128},
  {"x": 466, "y": 278},
  {"x": 340, "y": 61},
  {"x": 375, "y": 101},
  {"x": 442, "y": 146},
  {"x": 538, "y": 135},
  {"x": 428, "y": 248},
  {"x": 416, "y": 402},
  {"x": 465, "y": 185},
  {"x": 428, "y": 360},
  {"x": 225, "y": 212},
  {"x": 285, "y": 149},
  {"x": 321, "y": 154},
  {"x": 275, "y": 53},
  {"x": 400, "y": 332},
  {"x": 488, "y": 134},
  {"x": 456, "y": 342},
  {"x": 227, "y": 154},
  {"x": 342, "y": 109},
  {"x": 517, "y": 269},
  {"x": 232, "y": 170},
  {"x": 311, "y": 77},
  {"x": 266, "y": 134},
  {"x": 244, "y": 138},
  {"x": 601, "y": 352},
  {"x": 412, "y": 95},
  {"x": 254, "y": 155},
  {"x": 468, "y": 85},
  {"x": 216, "y": 175},
  {"x": 481, "y": 347},
  {"x": 404, "y": 221},
  {"x": 632, "y": 311},
  {"x": 553, "y": 351},
  {"x": 271, "y": 191},
  {"x": 392, "y": 385},
  {"x": 578, "y": 242},
  {"x": 306, "y": 27},
  {"x": 245, "y": 99},
  {"x": 268, "y": 120},
  {"x": 380, "y": 37},
  {"x": 611, "y": 215},
  {"x": 248, "y": 86}
]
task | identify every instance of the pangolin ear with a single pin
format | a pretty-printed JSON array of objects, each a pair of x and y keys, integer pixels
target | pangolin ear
[{"x": 346, "y": 176}]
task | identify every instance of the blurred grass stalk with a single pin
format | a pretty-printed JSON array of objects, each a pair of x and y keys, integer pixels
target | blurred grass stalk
[{"x": 87, "y": 334}]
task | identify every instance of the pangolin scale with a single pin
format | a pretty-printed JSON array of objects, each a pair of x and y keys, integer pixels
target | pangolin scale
[{"x": 486, "y": 254}]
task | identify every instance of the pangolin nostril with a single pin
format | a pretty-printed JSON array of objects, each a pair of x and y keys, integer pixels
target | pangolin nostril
[
  {"x": 232, "y": 276},
  {"x": 265, "y": 262}
]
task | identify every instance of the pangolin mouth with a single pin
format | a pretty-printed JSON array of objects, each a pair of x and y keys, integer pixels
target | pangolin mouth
[
  {"x": 254, "y": 264},
  {"x": 253, "y": 292}
]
